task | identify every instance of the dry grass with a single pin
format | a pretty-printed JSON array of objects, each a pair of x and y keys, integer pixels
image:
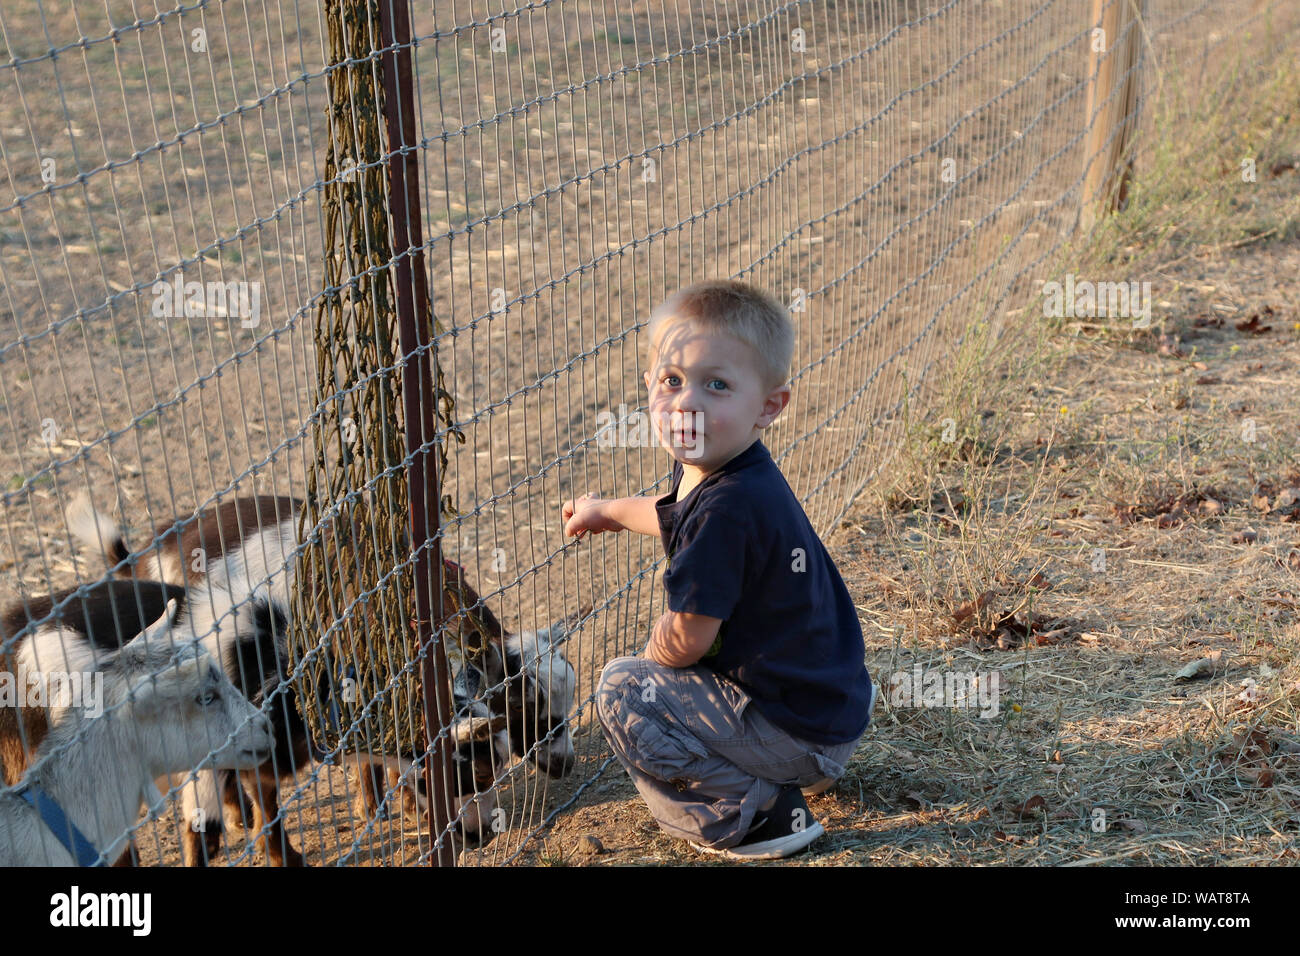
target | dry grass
[
  {"x": 1085, "y": 514},
  {"x": 1112, "y": 503}
]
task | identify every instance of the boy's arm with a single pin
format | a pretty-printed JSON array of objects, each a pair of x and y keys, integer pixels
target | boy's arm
[
  {"x": 680, "y": 639},
  {"x": 615, "y": 514},
  {"x": 636, "y": 513}
]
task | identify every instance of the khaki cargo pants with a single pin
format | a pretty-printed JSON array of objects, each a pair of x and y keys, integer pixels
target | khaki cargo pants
[{"x": 703, "y": 759}]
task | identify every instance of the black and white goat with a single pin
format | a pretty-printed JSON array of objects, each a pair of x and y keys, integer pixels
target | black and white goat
[
  {"x": 517, "y": 695},
  {"x": 166, "y": 707}
]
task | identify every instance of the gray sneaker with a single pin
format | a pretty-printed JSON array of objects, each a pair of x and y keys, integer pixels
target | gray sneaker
[{"x": 784, "y": 830}]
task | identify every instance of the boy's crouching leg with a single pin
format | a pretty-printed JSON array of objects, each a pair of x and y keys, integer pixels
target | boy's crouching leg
[
  {"x": 831, "y": 759},
  {"x": 692, "y": 791},
  {"x": 636, "y": 723}
]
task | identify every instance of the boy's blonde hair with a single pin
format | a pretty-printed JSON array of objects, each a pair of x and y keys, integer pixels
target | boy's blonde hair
[{"x": 739, "y": 310}]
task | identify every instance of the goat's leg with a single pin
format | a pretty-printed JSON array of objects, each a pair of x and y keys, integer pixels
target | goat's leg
[
  {"x": 380, "y": 774},
  {"x": 202, "y": 824},
  {"x": 234, "y": 799},
  {"x": 128, "y": 857},
  {"x": 266, "y": 817},
  {"x": 370, "y": 786}
]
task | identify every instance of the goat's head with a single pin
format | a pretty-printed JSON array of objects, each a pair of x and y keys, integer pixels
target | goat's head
[{"x": 173, "y": 686}]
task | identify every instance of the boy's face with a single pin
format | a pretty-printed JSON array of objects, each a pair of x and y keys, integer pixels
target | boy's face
[{"x": 708, "y": 398}]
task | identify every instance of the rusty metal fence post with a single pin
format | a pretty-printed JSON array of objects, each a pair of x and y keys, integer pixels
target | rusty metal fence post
[{"x": 414, "y": 330}]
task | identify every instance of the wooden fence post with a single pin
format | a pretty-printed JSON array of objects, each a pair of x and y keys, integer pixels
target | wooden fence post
[{"x": 1113, "y": 82}]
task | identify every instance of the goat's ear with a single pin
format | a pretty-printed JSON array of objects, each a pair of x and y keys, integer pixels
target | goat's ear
[
  {"x": 491, "y": 664},
  {"x": 151, "y": 656},
  {"x": 566, "y": 625},
  {"x": 150, "y": 644},
  {"x": 159, "y": 683},
  {"x": 477, "y": 627}
]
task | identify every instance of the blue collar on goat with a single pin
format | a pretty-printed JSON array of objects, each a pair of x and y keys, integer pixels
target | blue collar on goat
[{"x": 64, "y": 830}]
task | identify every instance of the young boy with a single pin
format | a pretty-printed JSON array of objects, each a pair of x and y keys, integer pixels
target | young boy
[{"x": 753, "y": 684}]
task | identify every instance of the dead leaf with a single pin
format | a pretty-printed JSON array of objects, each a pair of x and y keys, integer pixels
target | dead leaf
[
  {"x": 1054, "y": 636},
  {"x": 1204, "y": 667},
  {"x": 1209, "y": 380},
  {"x": 1250, "y": 691},
  {"x": 1258, "y": 773},
  {"x": 971, "y": 607},
  {"x": 1010, "y": 632},
  {"x": 1288, "y": 499},
  {"x": 1035, "y": 802},
  {"x": 1252, "y": 325},
  {"x": 1253, "y": 743}
]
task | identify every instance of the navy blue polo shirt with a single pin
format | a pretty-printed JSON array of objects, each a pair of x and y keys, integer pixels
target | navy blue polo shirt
[{"x": 740, "y": 548}]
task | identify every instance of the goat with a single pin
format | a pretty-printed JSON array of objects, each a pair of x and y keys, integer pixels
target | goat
[
  {"x": 233, "y": 627},
  {"x": 167, "y": 707},
  {"x": 251, "y": 543},
  {"x": 75, "y": 626},
  {"x": 106, "y": 615},
  {"x": 531, "y": 683}
]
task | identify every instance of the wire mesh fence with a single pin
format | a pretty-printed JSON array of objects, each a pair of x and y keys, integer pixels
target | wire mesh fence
[{"x": 897, "y": 172}]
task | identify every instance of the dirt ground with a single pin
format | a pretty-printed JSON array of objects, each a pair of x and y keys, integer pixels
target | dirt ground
[{"x": 1093, "y": 453}]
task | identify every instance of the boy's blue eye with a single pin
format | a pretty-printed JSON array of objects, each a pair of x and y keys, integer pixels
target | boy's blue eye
[{"x": 673, "y": 381}]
